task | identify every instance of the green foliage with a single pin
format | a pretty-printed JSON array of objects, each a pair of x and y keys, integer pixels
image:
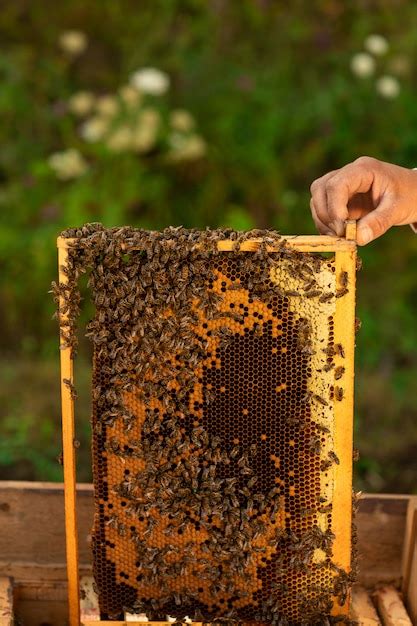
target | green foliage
[{"x": 275, "y": 100}]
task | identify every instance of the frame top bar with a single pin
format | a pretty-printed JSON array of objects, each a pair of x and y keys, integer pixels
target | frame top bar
[{"x": 302, "y": 243}]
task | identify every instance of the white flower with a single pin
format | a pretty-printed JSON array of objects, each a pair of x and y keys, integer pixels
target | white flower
[
  {"x": 74, "y": 42},
  {"x": 388, "y": 87},
  {"x": 150, "y": 118},
  {"x": 120, "y": 140},
  {"x": 186, "y": 147},
  {"x": 181, "y": 120},
  {"x": 362, "y": 64},
  {"x": 150, "y": 80},
  {"x": 81, "y": 103},
  {"x": 68, "y": 164},
  {"x": 376, "y": 44},
  {"x": 130, "y": 96},
  {"x": 146, "y": 131},
  {"x": 144, "y": 139},
  {"x": 107, "y": 106},
  {"x": 94, "y": 129}
]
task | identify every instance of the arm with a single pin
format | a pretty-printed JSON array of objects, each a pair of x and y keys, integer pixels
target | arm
[{"x": 377, "y": 194}]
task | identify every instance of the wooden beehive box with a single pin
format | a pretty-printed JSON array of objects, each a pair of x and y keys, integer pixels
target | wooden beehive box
[{"x": 33, "y": 578}]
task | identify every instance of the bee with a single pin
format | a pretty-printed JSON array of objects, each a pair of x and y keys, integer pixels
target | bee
[
  {"x": 320, "y": 400},
  {"x": 309, "y": 285},
  {"x": 292, "y": 293},
  {"x": 314, "y": 445},
  {"x": 341, "y": 292},
  {"x": 325, "y": 465},
  {"x": 329, "y": 351},
  {"x": 307, "y": 396},
  {"x": 323, "y": 428},
  {"x": 313, "y": 294},
  {"x": 328, "y": 366},
  {"x": 303, "y": 337},
  {"x": 338, "y": 393},
  {"x": 333, "y": 456},
  {"x": 293, "y": 421},
  {"x": 71, "y": 387},
  {"x": 339, "y": 349},
  {"x": 339, "y": 371},
  {"x": 325, "y": 509},
  {"x": 344, "y": 279},
  {"x": 326, "y": 297},
  {"x": 358, "y": 324}
]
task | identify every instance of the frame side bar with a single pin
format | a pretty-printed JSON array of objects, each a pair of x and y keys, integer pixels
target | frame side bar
[
  {"x": 68, "y": 435},
  {"x": 343, "y": 413}
]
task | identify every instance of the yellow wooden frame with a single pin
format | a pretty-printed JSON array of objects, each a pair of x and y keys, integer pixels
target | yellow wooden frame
[{"x": 345, "y": 260}]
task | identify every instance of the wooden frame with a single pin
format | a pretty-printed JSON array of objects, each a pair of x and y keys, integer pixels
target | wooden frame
[{"x": 345, "y": 259}]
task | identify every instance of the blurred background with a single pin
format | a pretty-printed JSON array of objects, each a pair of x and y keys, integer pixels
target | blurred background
[{"x": 199, "y": 112}]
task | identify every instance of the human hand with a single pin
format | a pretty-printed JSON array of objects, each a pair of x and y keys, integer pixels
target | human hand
[{"x": 378, "y": 194}]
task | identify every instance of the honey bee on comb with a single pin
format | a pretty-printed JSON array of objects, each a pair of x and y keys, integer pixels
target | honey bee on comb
[{"x": 212, "y": 376}]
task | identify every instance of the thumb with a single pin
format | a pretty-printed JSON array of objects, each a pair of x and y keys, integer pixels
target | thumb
[{"x": 375, "y": 223}]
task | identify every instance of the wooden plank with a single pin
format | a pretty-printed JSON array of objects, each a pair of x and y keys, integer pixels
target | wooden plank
[
  {"x": 40, "y": 603},
  {"x": 6, "y": 601},
  {"x": 363, "y": 610},
  {"x": 391, "y": 607},
  {"x": 409, "y": 584},
  {"x": 381, "y": 524},
  {"x": 40, "y": 508},
  {"x": 42, "y": 613},
  {"x": 302, "y": 243},
  {"x": 41, "y": 590},
  {"x": 25, "y": 573},
  {"x": 68, "y": 438}
]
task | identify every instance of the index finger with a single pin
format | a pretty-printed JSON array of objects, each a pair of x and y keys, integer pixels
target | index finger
[
  {"x": 319, "y": 203},
  {"x": 356, "y": 177}
]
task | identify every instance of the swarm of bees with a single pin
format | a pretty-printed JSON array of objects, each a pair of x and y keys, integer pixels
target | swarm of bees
[{"x": 159, "y": 310}]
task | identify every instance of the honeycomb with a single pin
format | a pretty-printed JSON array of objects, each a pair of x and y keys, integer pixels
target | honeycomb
[{"x": 214, "y": 475}]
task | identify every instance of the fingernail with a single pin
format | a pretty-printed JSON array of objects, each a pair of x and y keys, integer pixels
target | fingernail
[{"x": 365, "y": 235}]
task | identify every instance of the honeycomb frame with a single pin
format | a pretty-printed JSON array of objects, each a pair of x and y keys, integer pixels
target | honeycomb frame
[{"x": 344, "y": 264}]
